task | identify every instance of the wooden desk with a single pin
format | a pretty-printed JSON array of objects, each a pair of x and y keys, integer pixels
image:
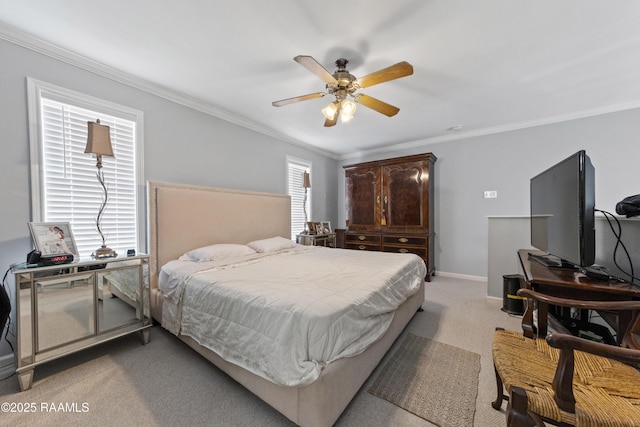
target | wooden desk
[{"x": 566, "y": 283}]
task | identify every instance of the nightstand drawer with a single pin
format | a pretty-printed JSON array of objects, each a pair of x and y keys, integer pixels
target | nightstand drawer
[{"x": 404, "y": 240}]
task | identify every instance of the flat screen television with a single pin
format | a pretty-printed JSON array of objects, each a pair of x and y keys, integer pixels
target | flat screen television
[{"x": 562, "y": 212}]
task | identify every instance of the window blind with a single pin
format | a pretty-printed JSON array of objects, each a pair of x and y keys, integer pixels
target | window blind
[
  {"x": 69, "y": 185},
  {"x": 295, "y": 170}
]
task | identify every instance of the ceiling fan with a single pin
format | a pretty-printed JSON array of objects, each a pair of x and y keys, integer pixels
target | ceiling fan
[{"x": 343, "y": 85}]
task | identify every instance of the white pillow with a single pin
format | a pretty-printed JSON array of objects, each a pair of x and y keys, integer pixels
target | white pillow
[
  {"x": 271, "y": 244},
  {"x": 216, "y": 252}
]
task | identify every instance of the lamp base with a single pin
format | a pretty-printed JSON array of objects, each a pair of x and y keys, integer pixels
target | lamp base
[{"x": 104, "y": 252}]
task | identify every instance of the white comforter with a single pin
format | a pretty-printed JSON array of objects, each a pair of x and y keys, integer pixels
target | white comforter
[{"x": 284, "y": 316}]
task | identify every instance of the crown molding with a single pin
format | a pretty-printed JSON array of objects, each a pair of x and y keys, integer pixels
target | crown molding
[{"x": 496, "y": 129}]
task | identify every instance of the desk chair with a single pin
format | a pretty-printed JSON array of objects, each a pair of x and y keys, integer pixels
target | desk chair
[{"x": 566, "y": 380}]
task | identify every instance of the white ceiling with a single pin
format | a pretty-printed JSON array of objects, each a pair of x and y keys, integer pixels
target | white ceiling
[{"x": 486, "y": 66}]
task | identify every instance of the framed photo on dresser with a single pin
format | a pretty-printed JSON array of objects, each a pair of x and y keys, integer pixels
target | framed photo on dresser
[
  {"x": 53, "y": 238},
  {"x": 326, "y": 227},
  {"x": 312, "y": 227},
  {"x": 317, "y": 227}
]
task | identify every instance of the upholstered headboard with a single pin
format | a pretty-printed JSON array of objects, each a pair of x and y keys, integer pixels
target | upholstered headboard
[{"x": 184, "y": 217}]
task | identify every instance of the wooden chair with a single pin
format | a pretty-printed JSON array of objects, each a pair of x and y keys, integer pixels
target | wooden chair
[{"x": 566, "y": 380}]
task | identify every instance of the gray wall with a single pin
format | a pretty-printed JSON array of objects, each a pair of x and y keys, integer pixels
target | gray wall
[
  {"x": 505, "y": 162},
  {"x": 181, "y": 145}
]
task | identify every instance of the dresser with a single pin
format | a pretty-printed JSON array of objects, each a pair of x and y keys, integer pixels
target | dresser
[
  {"x": 63, "y": 309},
  {"x": 389, "y": 206}
]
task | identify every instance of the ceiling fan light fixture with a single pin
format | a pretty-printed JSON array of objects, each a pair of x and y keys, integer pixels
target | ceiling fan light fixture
[
  {"x": 331, "y": 110},
  {"x": 347, "y": 109}
]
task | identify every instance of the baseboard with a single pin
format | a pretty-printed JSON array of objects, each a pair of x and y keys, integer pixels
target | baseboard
[
  {"x": 468, "y": 277},
  {"x": 462, "y": 276}
]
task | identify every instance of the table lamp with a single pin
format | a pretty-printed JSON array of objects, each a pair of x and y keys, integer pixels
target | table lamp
[{"x": 99, "y": 143}]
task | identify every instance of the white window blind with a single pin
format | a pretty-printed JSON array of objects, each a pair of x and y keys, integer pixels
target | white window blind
[
  {"x": 69, "y": 190},
  {"x": 295, "y": 170}
]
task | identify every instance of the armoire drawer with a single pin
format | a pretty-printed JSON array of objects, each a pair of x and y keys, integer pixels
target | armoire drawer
[
  {"x": 362, "y": 246},
  {"x": 421, "y": 252},
  {"x": 356, "y": 238},
  {"x": 404, "y": 240}
]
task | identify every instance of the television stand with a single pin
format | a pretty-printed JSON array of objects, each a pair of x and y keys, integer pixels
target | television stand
[{"x": 575, "y": 284}]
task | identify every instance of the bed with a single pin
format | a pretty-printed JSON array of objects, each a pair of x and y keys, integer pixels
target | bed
[{"x": 183, "y": 218}]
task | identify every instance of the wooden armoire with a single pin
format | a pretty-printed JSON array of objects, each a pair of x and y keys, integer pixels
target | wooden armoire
[{"x": 389, "y": 206}]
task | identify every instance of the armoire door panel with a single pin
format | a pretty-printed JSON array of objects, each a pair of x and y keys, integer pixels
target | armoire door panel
[
  {"x": 363, "y": 199},
  {"x": 405, "y": 193}
]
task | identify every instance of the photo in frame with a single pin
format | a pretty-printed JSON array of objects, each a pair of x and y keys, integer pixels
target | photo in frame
[
  {"x": 311, "y": 226},
  {"x": 317, "y": 227},
  {"x": 326, "y": 227},
  {"x": 53, "y": 238}
]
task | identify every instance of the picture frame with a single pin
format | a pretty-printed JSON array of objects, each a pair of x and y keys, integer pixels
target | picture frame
[
  {"x": 317, "y": 227},
  {"x": 325, "y": 227},
  {"x": 53, "y": 238},
  {"x": 311, "y": 226}
]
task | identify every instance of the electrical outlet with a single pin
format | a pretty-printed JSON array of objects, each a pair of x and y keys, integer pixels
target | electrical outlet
[{"x": 492, "y": 194}]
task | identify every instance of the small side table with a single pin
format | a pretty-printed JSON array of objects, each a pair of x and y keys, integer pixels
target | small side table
[{"x": 327, "y": 240}]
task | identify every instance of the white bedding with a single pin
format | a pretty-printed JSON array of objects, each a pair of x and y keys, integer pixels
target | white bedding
[{"x": 285, "y": 315}]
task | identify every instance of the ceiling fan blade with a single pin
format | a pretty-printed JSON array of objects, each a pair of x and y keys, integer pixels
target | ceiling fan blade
[
  {"x": 401, "y": 69},
  {"x": 328, "y": 122},
  {"x": 314, "y": 66},
  {"x": 297, "y": 99},
  {"x": 377, "y": 105}
]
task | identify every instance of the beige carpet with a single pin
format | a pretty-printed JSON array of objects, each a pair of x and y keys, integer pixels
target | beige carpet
[{"x": 432, "y": 380}]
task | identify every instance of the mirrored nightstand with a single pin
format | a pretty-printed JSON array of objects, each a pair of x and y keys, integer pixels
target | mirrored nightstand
[
  {"x": 62, "y": 309},
  {"x": 328, "y": 240}
]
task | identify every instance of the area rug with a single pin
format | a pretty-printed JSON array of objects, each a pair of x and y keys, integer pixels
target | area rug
[{"x": 432, "y": 380}]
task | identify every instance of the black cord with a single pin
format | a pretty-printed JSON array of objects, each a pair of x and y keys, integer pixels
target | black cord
[
  {"x": 8, "y": 325},
  {"x": 619, "y": 243}
]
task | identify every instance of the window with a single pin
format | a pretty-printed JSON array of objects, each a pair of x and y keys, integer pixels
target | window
[
  {"x": 64, "y": 184},
  {"x": 295, "y": 170}
]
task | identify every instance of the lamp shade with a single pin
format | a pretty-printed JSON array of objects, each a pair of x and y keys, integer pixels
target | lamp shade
[
  {"x": 306, "y": 180},
  {"x": 98, "y": 139}
]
